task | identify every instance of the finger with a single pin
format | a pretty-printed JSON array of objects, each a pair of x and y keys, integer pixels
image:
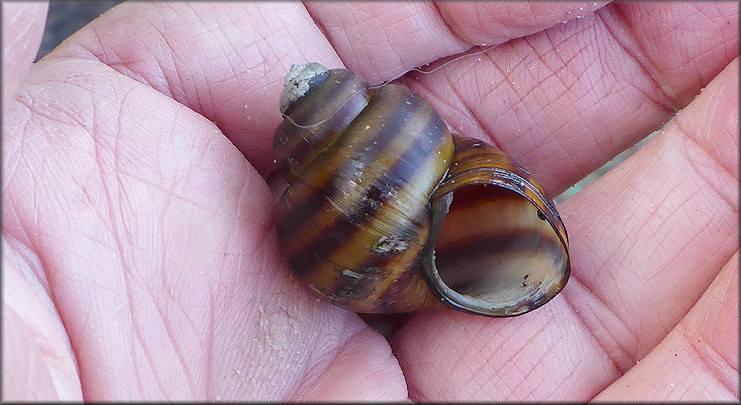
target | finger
[
  {"x": 698, "y": 360},
  {"x": 380, "y": 40},
  {"x": 342, "y": 380},
  {"x": 220, "y": 59},
  {"x": 575, "y": 95},
  {"x": 23, "y": 25},
  {"x": 646, "y": 240},
  {"x": 225, "y": 61},
  {"x": 38, "y": 362},
  {"x": 589, "y": 85},
  {"x": 158, "y": 243},
  {"x": 494, "y": 23}
]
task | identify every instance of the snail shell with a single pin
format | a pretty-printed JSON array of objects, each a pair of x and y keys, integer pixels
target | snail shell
[{"x": 386, "y": 211}]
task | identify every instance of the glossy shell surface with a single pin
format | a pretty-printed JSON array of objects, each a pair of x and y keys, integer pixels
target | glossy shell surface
[{"x": 386, "y": 211}]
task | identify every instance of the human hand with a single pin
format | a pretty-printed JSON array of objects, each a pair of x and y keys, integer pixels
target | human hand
[{"x": 140, "y": 259}]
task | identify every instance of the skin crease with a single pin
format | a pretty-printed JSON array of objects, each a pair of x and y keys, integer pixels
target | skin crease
[{"x": 140, "y": 259}]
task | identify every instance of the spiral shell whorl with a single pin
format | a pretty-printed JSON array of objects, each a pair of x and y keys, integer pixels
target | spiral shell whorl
[
  {"x": 387, "y": 212},
  {"x": 299, "y": 80},
  {"x": 355, "y": 221},
  {"x": 327, "y": 105}
]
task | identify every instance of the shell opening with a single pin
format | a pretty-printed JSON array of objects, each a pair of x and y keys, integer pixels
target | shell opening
[{"x": 495, "y": 253}]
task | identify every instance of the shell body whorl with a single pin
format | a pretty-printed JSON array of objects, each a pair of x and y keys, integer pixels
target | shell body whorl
[{"x": 371, "y": 177}]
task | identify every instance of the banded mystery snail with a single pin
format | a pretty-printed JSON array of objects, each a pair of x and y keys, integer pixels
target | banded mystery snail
[{"x": 386, "y": 211}]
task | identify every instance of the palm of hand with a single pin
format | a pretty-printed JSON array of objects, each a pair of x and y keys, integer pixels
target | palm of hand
[{"x": 140, "y": 242}]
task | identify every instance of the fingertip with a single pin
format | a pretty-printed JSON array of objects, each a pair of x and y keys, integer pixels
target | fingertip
[{"x": 363, "y": 367}]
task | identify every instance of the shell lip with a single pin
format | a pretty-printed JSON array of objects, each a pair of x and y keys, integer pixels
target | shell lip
[{"x": 438, "y": 209}]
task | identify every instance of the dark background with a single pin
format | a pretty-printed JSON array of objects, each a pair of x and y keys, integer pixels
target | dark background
[{"x": 66, "y": 17}]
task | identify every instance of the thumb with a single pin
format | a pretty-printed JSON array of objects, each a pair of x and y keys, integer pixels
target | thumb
[{"x": 23, "y": 25}]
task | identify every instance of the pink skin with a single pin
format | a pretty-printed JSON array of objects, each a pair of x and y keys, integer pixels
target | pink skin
[{"x": 140, "y": 258}]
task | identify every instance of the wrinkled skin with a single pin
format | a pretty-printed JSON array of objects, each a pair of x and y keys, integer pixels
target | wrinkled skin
[{"x": 140, "y": 257}]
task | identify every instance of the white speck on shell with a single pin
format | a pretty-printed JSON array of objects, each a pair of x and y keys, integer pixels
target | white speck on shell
[
  {"x": 350, "y": 273},
  {"x": 390, "y": 244}
]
